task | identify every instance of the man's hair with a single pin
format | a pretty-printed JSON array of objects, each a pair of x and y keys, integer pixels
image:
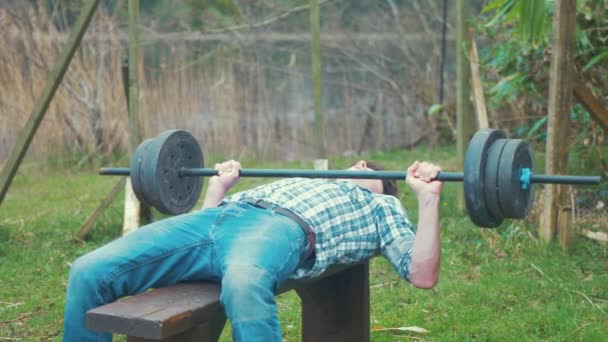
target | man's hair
[{"x": 389, "y": 186}]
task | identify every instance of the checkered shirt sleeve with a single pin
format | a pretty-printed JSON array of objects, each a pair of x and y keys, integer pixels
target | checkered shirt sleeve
[{"x": 396, "y": 234}]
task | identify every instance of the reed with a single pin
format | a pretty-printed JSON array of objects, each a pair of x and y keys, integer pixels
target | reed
[{"x": 238, "y": 98}]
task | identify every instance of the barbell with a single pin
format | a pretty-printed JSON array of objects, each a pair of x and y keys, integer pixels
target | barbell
[{"x": 167, "y": 172}]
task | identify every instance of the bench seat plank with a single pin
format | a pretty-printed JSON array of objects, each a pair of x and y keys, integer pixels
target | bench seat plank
[{"x": 158, "y": 313}]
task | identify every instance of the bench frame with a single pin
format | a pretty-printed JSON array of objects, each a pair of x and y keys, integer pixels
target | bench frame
[{"x": 335, "y": 307}]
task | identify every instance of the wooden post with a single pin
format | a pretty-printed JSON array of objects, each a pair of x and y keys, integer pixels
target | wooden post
[
  {"x": 132, "y": 209},
  {"x": 591, "y": 103},
  {"x": 124, "y": 71},
  {"x": 321, "y": 164},
  {"x": 336, "y": 308},
  {"x": 557, "y": 204},
  {"x": 315, "y": 30},
  {"x": 134, "y": 129},
  {"x": 463, "y": 88},
  {"x": 86, "y": 227},
  {"x": 42, "y": 104},
  {"x": 478, "y": 96}
]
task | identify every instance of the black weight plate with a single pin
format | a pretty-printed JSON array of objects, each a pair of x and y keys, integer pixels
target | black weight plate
[
  {"x": 474, "y": 177},
  {"x": 136, "y": 167},
  {"x": 149, "y": 170},
  {"x": 515, "y": 202},
  {"x": 491, "y": 178},
  {"x": 177, "y": 194}
]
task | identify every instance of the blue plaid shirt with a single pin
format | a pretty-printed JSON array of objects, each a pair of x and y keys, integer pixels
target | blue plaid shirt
[{"x": 351, "y": 223}]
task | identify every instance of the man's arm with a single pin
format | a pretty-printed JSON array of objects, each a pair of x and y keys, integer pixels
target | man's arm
[
  {"x": 228, "y": 175},
  {"x": 426, "y": 254}
]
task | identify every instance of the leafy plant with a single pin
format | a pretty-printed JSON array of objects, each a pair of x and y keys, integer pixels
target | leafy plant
[
  {"x": 516, "y": 57},
  {"x": 529, "y": 18}
]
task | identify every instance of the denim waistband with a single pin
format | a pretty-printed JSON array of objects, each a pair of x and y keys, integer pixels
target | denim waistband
[{"x": 288, "y": 213}]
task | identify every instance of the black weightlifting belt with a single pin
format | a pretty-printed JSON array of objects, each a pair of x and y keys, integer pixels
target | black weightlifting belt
[{"x": 288, "y": 213}]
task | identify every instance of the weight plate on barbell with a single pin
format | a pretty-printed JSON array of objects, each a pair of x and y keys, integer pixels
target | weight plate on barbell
[
  {"x": 152, "y": 172},
  {"x": 136, "y": 176},
  {"x": 474, "y": 177},
  {"x": 515, "y": 202},
  {"x": 171, "y": 193},
  {"x": 491, "y": 178}
]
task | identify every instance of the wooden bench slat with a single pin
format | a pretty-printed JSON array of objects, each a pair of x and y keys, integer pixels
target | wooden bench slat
[{"x": 158, "y": 313}]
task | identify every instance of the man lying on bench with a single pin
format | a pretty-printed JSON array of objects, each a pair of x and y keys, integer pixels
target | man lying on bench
[{"x": 252, "y": 241}]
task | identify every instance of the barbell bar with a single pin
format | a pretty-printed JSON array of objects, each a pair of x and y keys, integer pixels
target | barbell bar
[
  {"x": 527, "y": 176},
  {"x": 167, "y": 172}
]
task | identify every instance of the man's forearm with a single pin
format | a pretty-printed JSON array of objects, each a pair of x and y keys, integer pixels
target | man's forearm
[
  {"x": 214, "y": 195},
  {"x": 426, "y": 255},
  {"x": 227, "y": 176}
]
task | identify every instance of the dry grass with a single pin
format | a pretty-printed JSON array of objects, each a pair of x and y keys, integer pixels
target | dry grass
[
  {"x": 236, "y": 97},
  {"x": 85, "y": 112}
]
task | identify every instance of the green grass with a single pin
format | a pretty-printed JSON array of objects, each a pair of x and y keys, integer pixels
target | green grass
[{"x": 501, "y": 284}]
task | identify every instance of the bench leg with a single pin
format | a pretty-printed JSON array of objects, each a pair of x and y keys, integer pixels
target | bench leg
[
  {"x": 337, "y": 308},
  {"x": 209, "y": 331}
]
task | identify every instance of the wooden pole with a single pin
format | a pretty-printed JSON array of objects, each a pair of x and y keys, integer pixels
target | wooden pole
[
  {"x": 478, "y": 96},
  {"x": 444, "y": 28},
  {"x": 591, "y": 103},
  {"x": 86, "y": 227},
  {"x": 134, "y": 56},
  {"x": 143, "y": 212},
  {"x": 464, "y": 123},
  {"x": 133, "y": 208},
  {"x": 557, "y": 207},
  {"x": 315, "y": 30},
  {"x": 42, "y": 104},
  {"x": 124, "y": 71}
]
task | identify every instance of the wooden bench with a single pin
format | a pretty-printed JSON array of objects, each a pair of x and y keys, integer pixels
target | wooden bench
[{"x": 335, "y": 307}]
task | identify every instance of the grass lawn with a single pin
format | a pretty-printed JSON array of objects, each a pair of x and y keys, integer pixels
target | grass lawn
[{"x": 501, "y": 284}]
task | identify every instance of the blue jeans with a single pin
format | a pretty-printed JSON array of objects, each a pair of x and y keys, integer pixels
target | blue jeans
[{"x": 251, "y": 251}]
